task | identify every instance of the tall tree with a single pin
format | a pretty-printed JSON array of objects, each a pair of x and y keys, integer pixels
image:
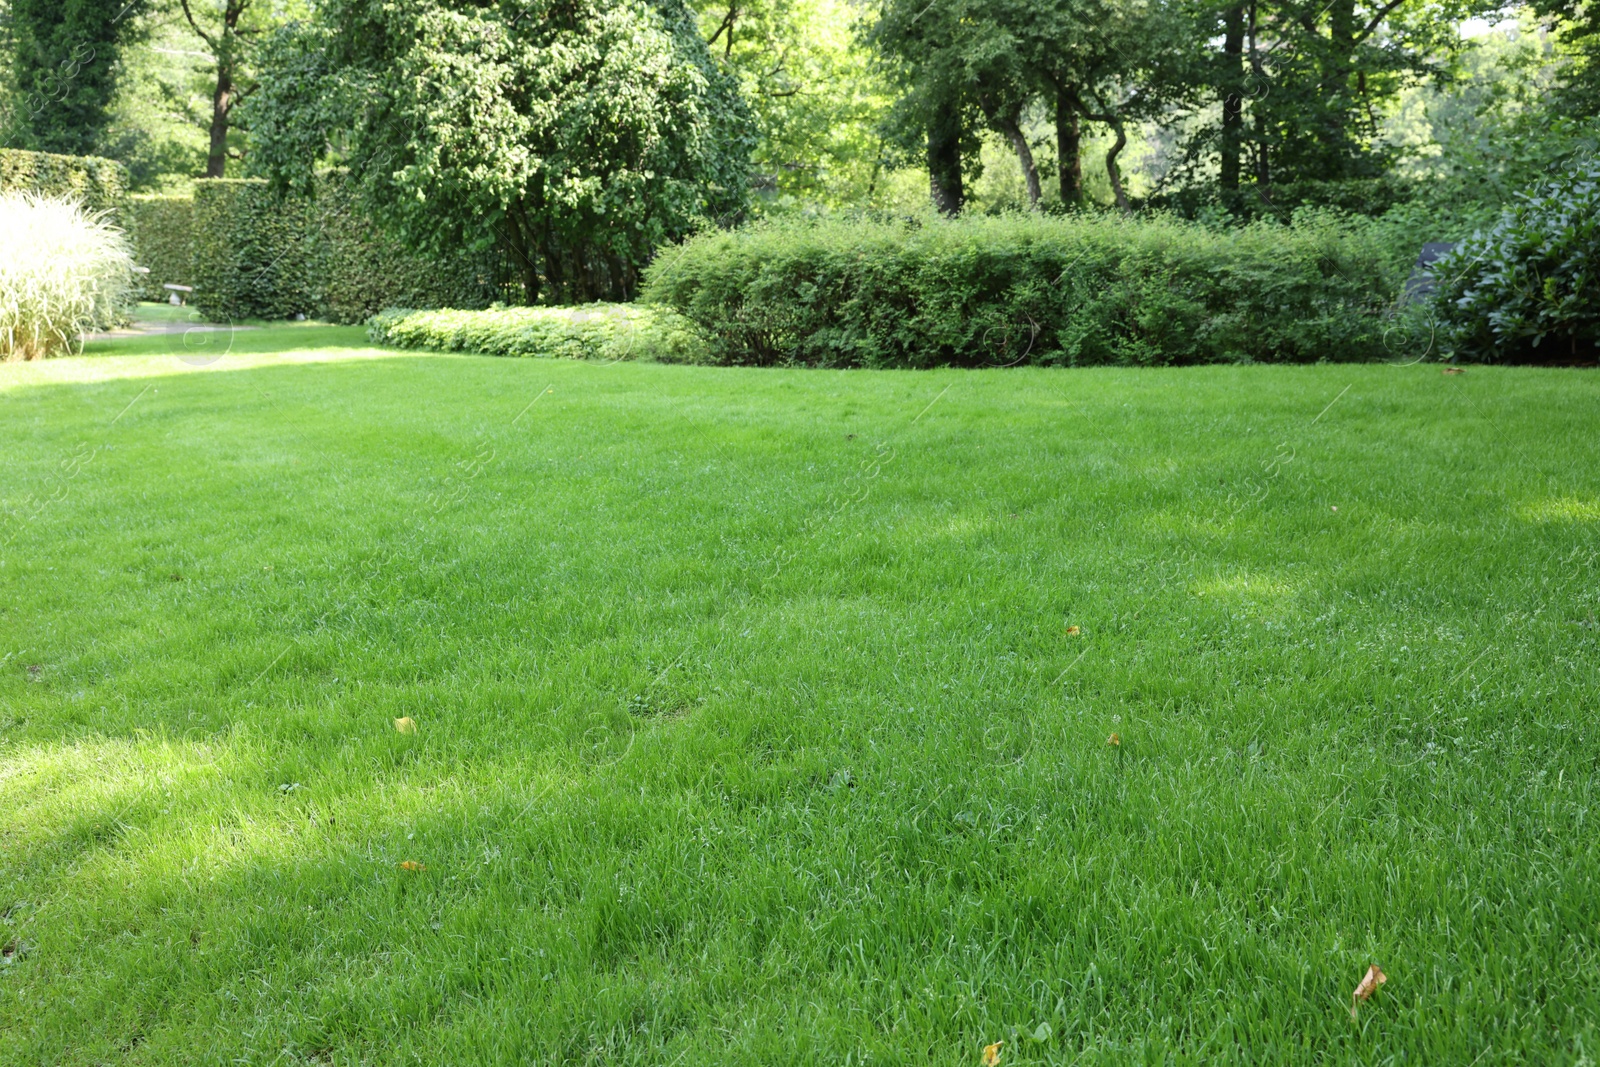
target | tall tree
[
  {"x": 225, "y": 29},
  {"x": 65, "y": 69},
  {"x": 1303, "y": 83},
  {"x": 577, "y": 134}
]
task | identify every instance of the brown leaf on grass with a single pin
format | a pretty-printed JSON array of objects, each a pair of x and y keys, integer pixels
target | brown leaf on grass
[
  {"x": 1453, "y": 370},
  {"x": 412, "y": 865},
  {"x": 1073, "y": 631},
  {"x": 1114, "y": 741},
  {"x": 1374, "y": 978},
  {"x": 991, "y": 1054},
  {"x": 406, "y": 725}
]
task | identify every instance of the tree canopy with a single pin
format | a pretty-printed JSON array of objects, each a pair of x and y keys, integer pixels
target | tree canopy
[{"x": 64, "y": 70}]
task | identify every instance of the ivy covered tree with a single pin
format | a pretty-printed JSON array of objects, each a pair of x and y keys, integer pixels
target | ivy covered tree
[
  {"x": 579, "y": 135},
  {"x": 64, "y": 56}
]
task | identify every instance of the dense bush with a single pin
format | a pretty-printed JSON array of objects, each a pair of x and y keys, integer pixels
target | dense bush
[
  {"x": 98, "y": 184},
  {"x": 580, "y": 134},
  {"x": 264, "y": 253},
  {"x": 996, "y": 291},
  {"x": 591, "y": 331},
  {"x": 62, "y": 271},
  {"x": 251, "y": 259},
  {"x": 162, "y": 231},
  {"x": 360, "y": 269},
  {"x": 1529, "y": 286}
]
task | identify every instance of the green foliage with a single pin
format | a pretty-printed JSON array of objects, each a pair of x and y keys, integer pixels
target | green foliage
[
  {"x": 1529, "y": 287},
  {"x": 161, "y": 229},
  {"x": 98, "y": 184},
  {"x": 1000, "y": 291},
  {"x": 1354, "y": 196},
  {"x": 359, "y": 268},
  {"x": 66, "y": 69},
  {"x": 157, "y": 120},
  {"x": 591, "y": 331},
  {"x": 63, "y": 270},
  {"x": 816, "y": 98},
  {"x": 577, "y": 134},
  {"x": 251, "y": 259},
  {"x": 261, "y": 252}
]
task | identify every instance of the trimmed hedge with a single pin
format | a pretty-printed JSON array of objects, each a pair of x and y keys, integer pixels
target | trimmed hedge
[
  {"x": 98, "y": 184},
  {"x": 360, "y": 269},
  {"x": 251, "y": 258},
  {"x": 591, "y": 331},
  {"x": 1081, "y": 289},
  {"x": 162, "y": 231},
  {"x": 261, "y": 253}
]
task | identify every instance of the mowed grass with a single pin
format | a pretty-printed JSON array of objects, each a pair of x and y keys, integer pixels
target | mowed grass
[{"x": 762, "y": 717}]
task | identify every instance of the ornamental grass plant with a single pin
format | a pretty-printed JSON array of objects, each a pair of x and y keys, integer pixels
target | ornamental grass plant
[{"x": 63, "y": 271}]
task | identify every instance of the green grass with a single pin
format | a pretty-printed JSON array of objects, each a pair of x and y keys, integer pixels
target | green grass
[{"x": 750, "y": 729}]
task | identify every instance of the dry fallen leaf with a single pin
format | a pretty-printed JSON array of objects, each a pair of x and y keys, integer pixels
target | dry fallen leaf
[
  {"x": 412, "y": 865},
  {"x": 1114, "y": 741},
  {"x": 1374, "y": 978},
  {"x": 407, "y": 725},
  {"x": 1073, "y": 631},
  {"x": 1452, "y": 370},
  {"x": 991, "y": 1054}
]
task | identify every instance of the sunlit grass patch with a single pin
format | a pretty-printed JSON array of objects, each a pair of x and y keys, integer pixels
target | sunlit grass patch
[{"x": 766, "y": 716}]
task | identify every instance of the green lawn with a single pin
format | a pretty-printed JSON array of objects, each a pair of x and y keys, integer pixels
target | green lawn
[{"x": 752, "y": 726}]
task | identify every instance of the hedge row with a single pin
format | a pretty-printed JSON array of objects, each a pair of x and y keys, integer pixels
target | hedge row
[
  {"x": 592, "y": 331},
  {"x": 251, "y": 256},
  {"x": 161, "y": 229},
  {"x": 99, "y": 184},
  {"x": 252, "y": 252},
  {"x": 1026, "y": 289},
  {"x": 264, "y": 254}
]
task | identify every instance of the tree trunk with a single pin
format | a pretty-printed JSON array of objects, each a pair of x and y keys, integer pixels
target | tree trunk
[
  {"x": 1112, "y": 170},
  {"x": 1258, "y": 69},
  {"x": 221, "y": 105},
  {"x": 1069, "y": 164},
  {"x": 554, "y": 269},
  {"x": 1030, "y": 170},
  {"x": 944, "y": 158},
  {"x": 522, "y": 252},
  {"x": 1232, "y": 98}
]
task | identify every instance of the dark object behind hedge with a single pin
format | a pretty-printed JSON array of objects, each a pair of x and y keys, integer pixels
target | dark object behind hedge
[{"x": 1087, "y": 289}]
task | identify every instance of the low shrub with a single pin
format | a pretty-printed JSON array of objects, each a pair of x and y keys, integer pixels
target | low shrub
[
  {"x": 1026, "y": 289},
  {"x": 1528, "y": 288},
  {"x": 590, "y": 331},
  {"x": 98, "y": 184},
  {"x": 63, "y": 270},
  {"x": 162, "y": 231}
]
